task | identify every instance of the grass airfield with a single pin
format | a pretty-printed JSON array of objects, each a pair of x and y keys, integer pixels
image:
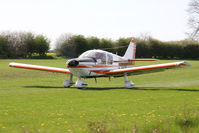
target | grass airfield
[{"x": 35, "y": 101}]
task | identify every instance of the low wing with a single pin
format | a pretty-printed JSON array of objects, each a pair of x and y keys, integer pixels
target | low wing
[
  {"x": 36, "y": 67},
  {"x": 144, "y": 69}
]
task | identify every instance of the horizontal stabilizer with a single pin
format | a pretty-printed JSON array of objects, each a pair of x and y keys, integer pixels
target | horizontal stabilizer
[{"x": 143, "y": 59}]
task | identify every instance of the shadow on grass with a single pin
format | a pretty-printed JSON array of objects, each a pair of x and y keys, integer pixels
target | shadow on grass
[
  {"x": 45, "y": 87},
  {"x": 142, "y": 88},
  {"x": 115, "y": 88}
]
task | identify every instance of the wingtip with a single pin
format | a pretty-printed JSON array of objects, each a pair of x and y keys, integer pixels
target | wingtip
[
  {"x": 183, "y": 64},
  {"x": 11, "y": 64},
  {"x": 187, "y": 64}
]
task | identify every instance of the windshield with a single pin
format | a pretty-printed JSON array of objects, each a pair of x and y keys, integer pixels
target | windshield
[{"x": 99, "y": 56}]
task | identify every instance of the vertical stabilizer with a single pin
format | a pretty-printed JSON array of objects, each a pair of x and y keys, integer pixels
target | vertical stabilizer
[{"x": 130, "y": 52}]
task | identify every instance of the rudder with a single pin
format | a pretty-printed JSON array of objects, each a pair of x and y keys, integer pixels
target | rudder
[{"x": 130, "y": 52}]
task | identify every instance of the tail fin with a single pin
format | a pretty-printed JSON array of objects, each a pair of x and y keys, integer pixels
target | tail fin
[{"x": 130, "y": 52}]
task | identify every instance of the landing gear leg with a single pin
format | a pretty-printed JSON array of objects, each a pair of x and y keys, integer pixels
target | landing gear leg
[
  {"x": 128, "y": 84},
  {"x": 80, "y": 83},
  {"x": 69, "y": 83}
]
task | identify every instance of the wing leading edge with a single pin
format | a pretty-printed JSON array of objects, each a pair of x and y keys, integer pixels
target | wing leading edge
[
  {"x": 42, "y": 68},
  {"x": 145, "y": 69}
]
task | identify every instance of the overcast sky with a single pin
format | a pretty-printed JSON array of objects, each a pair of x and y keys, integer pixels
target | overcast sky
[{"x": 163, "y": 19}]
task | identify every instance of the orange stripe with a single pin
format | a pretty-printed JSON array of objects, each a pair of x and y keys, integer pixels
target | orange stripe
[
  {"x": 43, "y": 69},
  {"x": 125, "y": 64},
  {"x": 89, "y": 66},
  {"x": 99, "y": 71},
  {"x": 142, "y": 59},
  {"x": 139, "y": 69}
]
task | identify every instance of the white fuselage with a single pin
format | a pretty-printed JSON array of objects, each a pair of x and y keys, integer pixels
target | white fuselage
[{"x": 96, "y": 60}]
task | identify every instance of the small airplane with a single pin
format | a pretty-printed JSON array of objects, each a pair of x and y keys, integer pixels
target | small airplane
[{"x": 99, "y": 63}]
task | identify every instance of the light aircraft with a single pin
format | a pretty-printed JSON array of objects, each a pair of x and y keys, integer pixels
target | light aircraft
[{"x": 99, "y": 63}]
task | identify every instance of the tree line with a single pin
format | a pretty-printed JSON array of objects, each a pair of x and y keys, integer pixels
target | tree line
[
  {"x": 26, "y": 44},
  {"x": 22, "y": 44},
  {"x": 73, "y": 45}
]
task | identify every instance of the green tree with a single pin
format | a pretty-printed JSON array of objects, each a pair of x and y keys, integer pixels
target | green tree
[
  {"x": 80, "y": 44},
  {"x": 30, "y": 45},
  {"x": 4, "y": 49},
  {"x": 108, "y": 45},
  {"x": 192, "y": 51},
  {"x": 65, "y": 46},
  {"x": 41, "y": 44},
  {"x": 122, "y": 45},
  {"x": 93, "y": 43},
  {"x": 156, "y": 48},
  {"x": 142, "y": 49},
  {"x": 16, "y": 44}
]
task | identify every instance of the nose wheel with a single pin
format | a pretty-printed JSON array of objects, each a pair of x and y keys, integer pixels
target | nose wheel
[
  {"x": 68, "y": 83},
  {"x": 80, "y": 83}
]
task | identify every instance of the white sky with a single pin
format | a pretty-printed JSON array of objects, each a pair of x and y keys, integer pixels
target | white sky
[{"x": 163, "y": 19}]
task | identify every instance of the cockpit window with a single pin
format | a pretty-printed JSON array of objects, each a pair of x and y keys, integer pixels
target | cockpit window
[
  {"x": 110, "y": 58},
  {"x": 99, "y": 56}
]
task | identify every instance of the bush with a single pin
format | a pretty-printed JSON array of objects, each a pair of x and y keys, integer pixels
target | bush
[
  {"x": 41, "y": 44},
  {"x": 4, "y": 50},
  {"x": 74, "y": 45},
  {"x": 22, "y": 45}
]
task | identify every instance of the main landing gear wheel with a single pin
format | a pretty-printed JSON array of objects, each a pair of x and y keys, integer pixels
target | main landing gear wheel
[
  {"x": 128, "y": 84},
  {"x": 80, "y": 83},
  {"x": 68, "y": 83}
]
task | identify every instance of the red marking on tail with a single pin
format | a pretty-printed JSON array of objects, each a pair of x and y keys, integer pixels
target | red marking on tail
[{"x": 133, "y": 41}]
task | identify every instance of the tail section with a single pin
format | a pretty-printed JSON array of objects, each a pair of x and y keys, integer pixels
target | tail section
[{"x": 130, "y": 52}]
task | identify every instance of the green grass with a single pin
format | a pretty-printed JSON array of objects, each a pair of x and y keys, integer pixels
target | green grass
[{"x": 35, "y": 101}]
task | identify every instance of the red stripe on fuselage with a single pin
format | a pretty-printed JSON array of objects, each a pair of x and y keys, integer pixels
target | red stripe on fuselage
[
  {"x": 90, "y": 66},
  {"x": 126, "y": 63}
]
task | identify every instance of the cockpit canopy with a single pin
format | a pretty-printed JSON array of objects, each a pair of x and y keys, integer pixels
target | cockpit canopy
[{"x": 100, "y": 56}]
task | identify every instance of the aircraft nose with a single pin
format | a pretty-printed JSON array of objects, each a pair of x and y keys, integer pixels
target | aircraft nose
[{"x": 72, "y": 63}]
